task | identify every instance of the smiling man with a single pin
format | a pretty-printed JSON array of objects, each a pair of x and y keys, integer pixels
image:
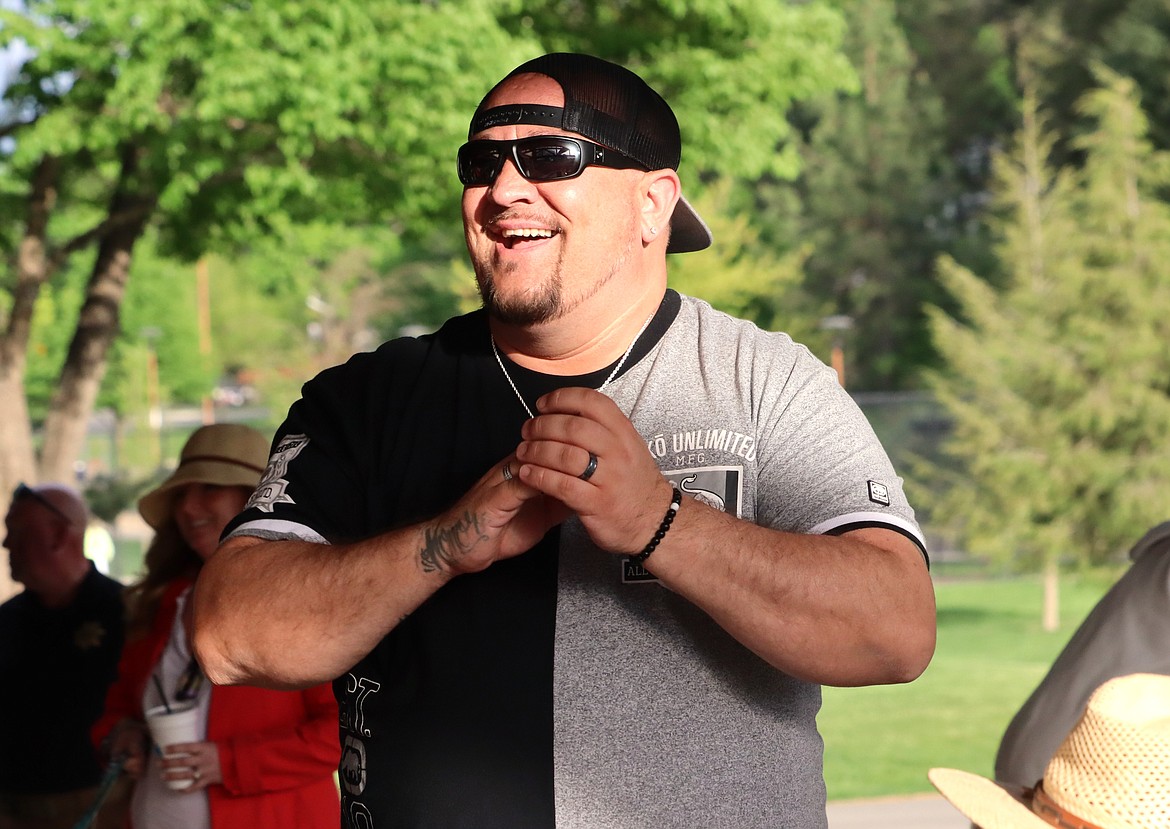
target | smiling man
[{"x": 582, "y": 558}]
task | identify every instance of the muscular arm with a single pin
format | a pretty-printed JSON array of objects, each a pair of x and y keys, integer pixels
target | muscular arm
[
  {"x": 851, "y": 610},
  {"x": 290, "y": 613}
]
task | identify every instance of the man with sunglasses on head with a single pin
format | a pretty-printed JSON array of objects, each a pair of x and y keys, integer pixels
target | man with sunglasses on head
[
  {"x": 593, "y": 549},
  {"x": 59, "y": 645}
]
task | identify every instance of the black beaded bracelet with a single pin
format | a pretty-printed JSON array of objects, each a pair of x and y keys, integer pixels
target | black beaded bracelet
[{"x": 667, "y": 520}]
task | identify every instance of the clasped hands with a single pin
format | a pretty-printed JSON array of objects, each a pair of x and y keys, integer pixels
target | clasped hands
[{"x": 579, "y": 456}]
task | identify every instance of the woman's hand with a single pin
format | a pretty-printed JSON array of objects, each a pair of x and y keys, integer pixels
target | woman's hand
[
  {"x": 130, "y": 740},
  {"x": 196, "y": 762}
]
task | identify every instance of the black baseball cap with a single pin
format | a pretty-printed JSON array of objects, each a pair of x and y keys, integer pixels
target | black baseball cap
[{"x": 612, "y": 106}]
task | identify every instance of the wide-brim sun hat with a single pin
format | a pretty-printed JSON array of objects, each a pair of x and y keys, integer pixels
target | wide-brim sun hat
[
  {"x": 222, "y": 454},
  {"x": 1111, "y": 772}
]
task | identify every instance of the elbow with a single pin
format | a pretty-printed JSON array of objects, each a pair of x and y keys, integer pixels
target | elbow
[
  {"x": 894, "y": 656},
  {"x": 909, "y": 652},
  {"x": 912, "y": 659},
  {"x": 205, "y": 641},
  {"x": 211, "y": 660},
  {"x": 910, "y": 642},
  {"x": 227, "y": 648}
]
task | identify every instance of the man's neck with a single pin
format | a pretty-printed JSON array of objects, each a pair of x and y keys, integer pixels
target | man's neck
[
  {"x": 63, "y": 594},
  {"x": 580, "y": 342}
]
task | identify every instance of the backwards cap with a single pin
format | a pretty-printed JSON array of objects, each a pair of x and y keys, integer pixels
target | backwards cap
[{"x": 612, "y": 106}]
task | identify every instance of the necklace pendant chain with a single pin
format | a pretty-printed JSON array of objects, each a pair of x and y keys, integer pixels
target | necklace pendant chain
[
  {"x": 606, "y": 382},
  {"x": 508, "y": 377}
]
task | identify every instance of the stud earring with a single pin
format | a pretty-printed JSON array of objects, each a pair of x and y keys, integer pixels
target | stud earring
[{"x": 654, "y": 231}]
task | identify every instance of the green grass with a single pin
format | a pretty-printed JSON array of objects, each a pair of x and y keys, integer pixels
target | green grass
[{"x": 991, "y": 653}]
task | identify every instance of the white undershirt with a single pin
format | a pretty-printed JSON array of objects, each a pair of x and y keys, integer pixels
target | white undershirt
[{"x": 155, "y": 805}]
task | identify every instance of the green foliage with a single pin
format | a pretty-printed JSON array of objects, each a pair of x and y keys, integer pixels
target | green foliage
[
  {"x": 731, "y": 69},
  {"x": 1059, "y": 385},
  {"x": 311, "y": 297},
  {"x": 745, "y": 278},
  {"x": 1137, "y": 44},
  {"x": 232, "y": 123},
  {"x": 253, "y": 117},
  {"x": 160, "y": 313},
  {"x": 965, "y": 48},
  {"x": 870, "y": 201},
  {"x": 110, "y": 495},
  {"x": 53, "y": 320}
]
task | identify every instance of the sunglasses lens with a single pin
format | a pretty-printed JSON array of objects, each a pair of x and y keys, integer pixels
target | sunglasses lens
[
  {"x": 479, "y": 162},
  {"x": 548, "y": 159},
  {"x": 540, "y": 158}
]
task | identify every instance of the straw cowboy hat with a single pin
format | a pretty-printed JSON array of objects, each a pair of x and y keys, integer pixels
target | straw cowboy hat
[
  {"x": 224, "y": 454},
  {"x": 1111, "y": 772}
]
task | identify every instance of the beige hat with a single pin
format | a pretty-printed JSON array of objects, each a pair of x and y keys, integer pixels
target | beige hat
[
  {"x": 225, "y": 454},
  {"x": 1111, "y": 772}
]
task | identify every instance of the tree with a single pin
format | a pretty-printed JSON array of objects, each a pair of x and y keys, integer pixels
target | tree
[
  {"x": 873, "y": 186},
  {"x": 745, "y": 277},
  {"x": 1059, "y": 384},
  {"x": 297, "y": 303},
  {"x": 218, "y": 122},
  {"x": 1137, "y": 44},
  {"x": 212, "y": 122}
]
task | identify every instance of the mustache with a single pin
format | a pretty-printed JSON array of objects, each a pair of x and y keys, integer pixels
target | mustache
[{"x": 515, "y": 215}]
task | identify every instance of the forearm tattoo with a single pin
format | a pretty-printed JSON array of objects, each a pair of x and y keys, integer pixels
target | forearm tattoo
[{"x": 443, "y": 546}]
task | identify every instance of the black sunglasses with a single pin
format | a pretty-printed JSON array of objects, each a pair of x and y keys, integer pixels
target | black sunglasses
[
  {"x": 25, "y": 491},
  {"x": 538, "y": 158}
]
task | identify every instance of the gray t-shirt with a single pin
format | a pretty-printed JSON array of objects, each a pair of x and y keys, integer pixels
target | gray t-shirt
[{"x": 662, "y": 719}]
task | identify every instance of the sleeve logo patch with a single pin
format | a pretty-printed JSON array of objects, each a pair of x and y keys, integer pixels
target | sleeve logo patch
[
  {"x": 879, "y": 493},
  {"x": 271, "y": 489}
]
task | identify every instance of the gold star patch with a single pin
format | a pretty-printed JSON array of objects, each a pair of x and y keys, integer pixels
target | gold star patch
[{"x": 89, "y": 635}]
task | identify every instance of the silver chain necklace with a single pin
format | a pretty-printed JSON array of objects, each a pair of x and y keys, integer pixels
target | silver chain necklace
[{"x": 612, "y": 374}]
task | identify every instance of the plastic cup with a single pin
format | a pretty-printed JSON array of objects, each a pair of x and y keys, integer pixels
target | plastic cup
[{"x": 166, "y": 729}]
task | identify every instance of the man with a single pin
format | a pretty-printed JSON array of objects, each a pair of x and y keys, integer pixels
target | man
[
  {"x": 59, "y": 645},
  {"x": 529, "y": 626},
  {"x": 1125, "y": 633}
]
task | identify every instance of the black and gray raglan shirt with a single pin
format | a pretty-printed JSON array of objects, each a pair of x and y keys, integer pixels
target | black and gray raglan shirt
[{"x": 565, "y": 687}]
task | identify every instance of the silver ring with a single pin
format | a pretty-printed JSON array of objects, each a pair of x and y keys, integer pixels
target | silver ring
[
  {"x": 590, "y": 468},
  {"x": 507, "y": 470}
]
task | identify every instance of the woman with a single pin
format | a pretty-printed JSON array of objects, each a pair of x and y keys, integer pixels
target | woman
[{"x": 267, "y": 758}]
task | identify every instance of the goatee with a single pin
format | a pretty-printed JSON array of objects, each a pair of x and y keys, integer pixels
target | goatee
[{"x": 540, "y": 306}]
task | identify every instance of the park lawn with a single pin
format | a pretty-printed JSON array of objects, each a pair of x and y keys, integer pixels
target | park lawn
[{"x": 991, "y": 653}]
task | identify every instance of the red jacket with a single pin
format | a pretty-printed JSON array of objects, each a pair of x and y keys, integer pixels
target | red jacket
[{"x": 277, "y": 749}]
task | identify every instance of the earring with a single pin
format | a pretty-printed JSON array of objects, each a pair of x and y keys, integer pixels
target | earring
[{"x": 654, "y": 231}]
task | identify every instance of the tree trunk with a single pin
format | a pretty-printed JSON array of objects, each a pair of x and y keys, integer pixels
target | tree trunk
[
  {"x": 1051, "y": 595},
  {"x": 17, "y": 456},
  {"x": 97, "y": 326}
]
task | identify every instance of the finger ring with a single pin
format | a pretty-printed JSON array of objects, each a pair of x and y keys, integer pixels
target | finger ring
[
  {"x": 590, "y": 468},
  {"x": 198, "y": 775},
  {"x": 507, "y": 471}
]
